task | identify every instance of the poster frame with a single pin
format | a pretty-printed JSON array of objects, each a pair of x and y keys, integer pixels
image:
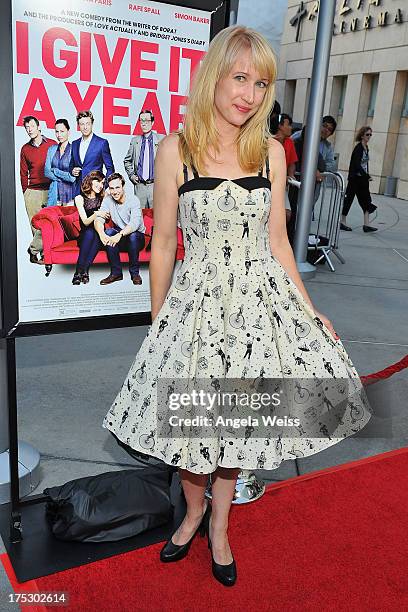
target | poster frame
[{"x": 10, "y": 326}]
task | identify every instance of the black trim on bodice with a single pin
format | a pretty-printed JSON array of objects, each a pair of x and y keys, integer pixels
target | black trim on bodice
[
  {"x": 210, "y": 182},
  {"x": 207, "y": 183}
]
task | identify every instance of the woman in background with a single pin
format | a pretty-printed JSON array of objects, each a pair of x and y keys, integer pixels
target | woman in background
[
  {"x": 88, "y": 203},
  {"x": 358, "y": 181},
  {"x": 61, "y": 190}
]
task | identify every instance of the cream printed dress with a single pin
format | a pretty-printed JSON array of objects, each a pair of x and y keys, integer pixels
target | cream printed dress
[{"x": 232, "y": 312}]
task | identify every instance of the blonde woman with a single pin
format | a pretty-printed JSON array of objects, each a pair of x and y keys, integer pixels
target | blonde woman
[{"x": 237, "y": 310}]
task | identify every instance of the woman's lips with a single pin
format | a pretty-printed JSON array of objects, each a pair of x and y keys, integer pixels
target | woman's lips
[{"x": 242, "y": 109}]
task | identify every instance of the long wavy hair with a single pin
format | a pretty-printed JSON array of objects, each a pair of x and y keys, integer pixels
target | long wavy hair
[
  {"x": 199, "y": 133},
  {"x": 86, "y": 185}
]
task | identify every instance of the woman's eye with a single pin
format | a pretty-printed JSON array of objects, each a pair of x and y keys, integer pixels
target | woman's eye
[
  {"x": 261, "y": 84},
  {"x": 240, "y": 77}
]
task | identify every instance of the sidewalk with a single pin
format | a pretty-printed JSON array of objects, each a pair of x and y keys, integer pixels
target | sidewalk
[{"x": 67, "y": 382}]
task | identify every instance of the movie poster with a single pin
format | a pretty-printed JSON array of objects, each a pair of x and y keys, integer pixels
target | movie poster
[{"x": 106, "y": 60}]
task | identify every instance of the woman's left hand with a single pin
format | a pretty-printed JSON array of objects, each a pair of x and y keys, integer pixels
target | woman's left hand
[{"x": 327, "y": 323}]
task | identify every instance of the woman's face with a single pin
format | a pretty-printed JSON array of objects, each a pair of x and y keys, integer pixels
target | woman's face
[
  {"x": 97, "y": 186},
  {"x": 240, "y": 93},
  {"x": 61, "y": 133},
  {"x": 367, "y": 136},
  {"x": 286, "y": 128}
]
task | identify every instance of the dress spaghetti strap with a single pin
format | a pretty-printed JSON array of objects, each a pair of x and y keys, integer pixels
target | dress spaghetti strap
[
  {"x": 260, "y": 173},
  {"x": 185, "y": 172}
]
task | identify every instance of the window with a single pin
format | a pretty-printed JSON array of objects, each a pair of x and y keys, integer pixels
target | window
[
  {"x": 405, "y": 104},
  {"x": 289, "y": 101},
  {"x": 373, "y": 95},
  {"x": 343, "y": 87}
]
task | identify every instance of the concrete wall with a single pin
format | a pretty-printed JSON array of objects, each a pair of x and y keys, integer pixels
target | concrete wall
[{"x": 359, "y": 55}]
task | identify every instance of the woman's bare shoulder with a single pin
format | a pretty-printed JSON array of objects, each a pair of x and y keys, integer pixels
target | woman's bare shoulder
[
  {"x": 170, "y": 144},
  {"x": 275, "y": 148}
]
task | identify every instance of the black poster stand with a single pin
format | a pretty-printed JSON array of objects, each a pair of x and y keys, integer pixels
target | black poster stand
[{"x": 12, "y": 329}]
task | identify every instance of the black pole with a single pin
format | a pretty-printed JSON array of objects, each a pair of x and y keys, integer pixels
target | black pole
[{"x": 15, "y": 514}]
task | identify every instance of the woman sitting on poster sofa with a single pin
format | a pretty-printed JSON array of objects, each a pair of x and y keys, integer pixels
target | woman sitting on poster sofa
[
  {"x": 88, "y": 203},
  {"x": 61, "y": 190}
]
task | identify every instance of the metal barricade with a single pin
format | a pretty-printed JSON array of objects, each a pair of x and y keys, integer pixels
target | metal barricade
[{"x": 325, "y": 224}]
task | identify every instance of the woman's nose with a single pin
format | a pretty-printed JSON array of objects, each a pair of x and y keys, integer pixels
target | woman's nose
[{"x": 249, "y": 94}]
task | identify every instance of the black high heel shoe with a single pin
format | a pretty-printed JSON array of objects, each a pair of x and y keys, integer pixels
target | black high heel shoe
[
  {"x": 174, "y": 552},
  {"x": 226, "y": 574},
  {"x": 76, "y": 279}
]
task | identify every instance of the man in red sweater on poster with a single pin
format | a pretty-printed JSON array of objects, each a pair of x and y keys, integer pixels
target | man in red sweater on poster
[{"x": 33, "y": 182}]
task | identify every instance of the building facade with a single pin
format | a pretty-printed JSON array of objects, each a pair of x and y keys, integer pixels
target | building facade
[{"x": 367, "y": 82}]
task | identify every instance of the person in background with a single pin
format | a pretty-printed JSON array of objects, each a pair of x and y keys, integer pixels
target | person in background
[
  {"x": 90, "y": 152},
  {"x": 88, "y": 203},
  {"x": 281, "y": 128},
  {"x": 276, "y": 110},
  {"x": 127, "y": 233},
  {"x": 139, "y": 160},
  {"x": 57, "y": 166},
  {"x": 358, "y": 181},
  {"x": 34, "y": 183},
  {"x": 326, "y": 149},
  {"x": 325, "y": 163}
]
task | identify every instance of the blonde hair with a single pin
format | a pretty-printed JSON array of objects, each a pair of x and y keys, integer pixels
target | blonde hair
[{"x": 199, "y": 132}]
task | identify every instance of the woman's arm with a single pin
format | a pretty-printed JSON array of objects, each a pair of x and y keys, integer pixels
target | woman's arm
[
  {"x": 64, "y": 176},
  {"x": 278, "y": 237},
  {"x": 79, "y": 203},
  {"x": 165, "y": 205},
  {"x": 355, "y": 162},
  {"x": 48, "y": 170}
]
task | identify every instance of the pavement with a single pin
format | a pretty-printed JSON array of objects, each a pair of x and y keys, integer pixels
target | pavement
[{"x": 67, "y": 382}]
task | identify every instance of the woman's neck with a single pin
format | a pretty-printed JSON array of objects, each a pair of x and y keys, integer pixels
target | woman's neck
[{"x": 227, "y": 133}]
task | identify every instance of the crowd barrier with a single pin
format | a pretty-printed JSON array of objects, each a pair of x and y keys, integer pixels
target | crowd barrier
[{"x": 325, "y": 224}]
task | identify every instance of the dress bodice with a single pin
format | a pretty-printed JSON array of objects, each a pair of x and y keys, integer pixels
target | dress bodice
[
  {"x": 91, "y": 204},
  {"x": 225, "y": 218}
]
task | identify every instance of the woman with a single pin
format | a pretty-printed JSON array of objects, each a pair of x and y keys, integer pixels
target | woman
[
  {"x": 281, "y": 128},
  {"x": 358, "y": 181},
  {"x": 237, "y": 311},
  {"x": 61, "y": 190},
  {"x": 88, "y": 203}
]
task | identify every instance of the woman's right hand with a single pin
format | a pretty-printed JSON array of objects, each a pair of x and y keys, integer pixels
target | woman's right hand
[{"x": 102, "y": 213}]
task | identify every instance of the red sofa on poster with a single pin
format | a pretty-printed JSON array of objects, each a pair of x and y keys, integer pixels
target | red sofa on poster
[{"x": 60, "y": 226}]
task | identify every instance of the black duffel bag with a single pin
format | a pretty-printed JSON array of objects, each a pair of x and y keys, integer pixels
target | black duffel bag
[{"x": 109, "y": 506}]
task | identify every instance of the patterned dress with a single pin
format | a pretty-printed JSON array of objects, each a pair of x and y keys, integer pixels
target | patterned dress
[{"x": 233, "y": 319}]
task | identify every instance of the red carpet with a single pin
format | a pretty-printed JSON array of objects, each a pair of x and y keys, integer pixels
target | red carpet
[{"x": 333, "y": 540}]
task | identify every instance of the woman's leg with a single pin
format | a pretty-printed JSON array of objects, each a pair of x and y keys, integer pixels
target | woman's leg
[
  {"x": 194, "y": 486},
  {"x": 223, "y": 482},
  {"x": 348, "y": 199},
  {"x": 90, "y": 245},
  {"x": 87, "y": 238},
  {"x": 364, "y": 198}
]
